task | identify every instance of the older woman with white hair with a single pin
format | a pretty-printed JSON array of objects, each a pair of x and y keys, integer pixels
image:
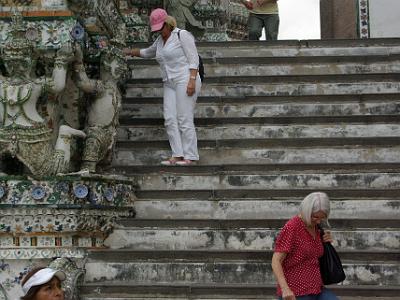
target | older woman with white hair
[{"x": 297, "y": 249}]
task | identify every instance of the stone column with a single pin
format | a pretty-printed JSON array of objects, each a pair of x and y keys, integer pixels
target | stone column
[{"x": 338, "y": 19}]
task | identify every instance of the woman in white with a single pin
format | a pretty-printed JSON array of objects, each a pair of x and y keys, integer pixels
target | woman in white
[{"x": 176, "y": 52}]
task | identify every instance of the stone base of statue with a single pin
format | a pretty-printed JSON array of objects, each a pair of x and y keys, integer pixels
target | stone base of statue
[{"x": 58, "y": 217}]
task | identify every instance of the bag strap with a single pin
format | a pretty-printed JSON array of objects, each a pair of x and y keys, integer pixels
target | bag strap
[
  {"x": 179, "y": 38},
  {"x": 321, "y": 231}
]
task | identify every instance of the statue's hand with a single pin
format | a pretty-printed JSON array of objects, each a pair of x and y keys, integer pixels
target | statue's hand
[
  {"x": 66, "y": 53},
  {"x": 78, "y": 54}
]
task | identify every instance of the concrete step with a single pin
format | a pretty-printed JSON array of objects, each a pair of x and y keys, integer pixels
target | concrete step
[
  {"x": 300, "y": 48},
  {"x": 300, "y": 120},
  {"x": 286, "y": 119},
  {"x": 279, "y": 99},
  {"x": 243, "y": 239},
  {"x": 345, "y": 211},
  {"x": 263, "y": 107},
  {"x": 250, "y": 194},
  {"x": 128, "y": 255},
  {"x": 127, "y": 297},
  {"x": 266, "y": 156},
  {"x": 281, "y": 66},
  {"x": 233, "y": 169},
  {"x": 138, "y": 170},
  {"x": 218, "y": 291},
  {"x": 295, "y": 48},
  {"x": 276, "y": 222},
  {"x": 224, "y": 272},
  {"x": 266, "y": 181},
  {"x": 261, "y": 131},
  {"x": 282, "y": 79},
  {"x": 260, "y": 86}
]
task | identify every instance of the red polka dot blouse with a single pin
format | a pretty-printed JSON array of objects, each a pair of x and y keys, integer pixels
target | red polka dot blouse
[{"x": 301, "y": 265}]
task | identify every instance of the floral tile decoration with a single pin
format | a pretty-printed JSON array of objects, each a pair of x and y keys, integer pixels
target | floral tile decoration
[{"x": 363, "y": 21}]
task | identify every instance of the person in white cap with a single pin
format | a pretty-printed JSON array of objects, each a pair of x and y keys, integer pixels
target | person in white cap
[
  {"x": 176, "y": 52},
  {"x": 43, "y": 284}
]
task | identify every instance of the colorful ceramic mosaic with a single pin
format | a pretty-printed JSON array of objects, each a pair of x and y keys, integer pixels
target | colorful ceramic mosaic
[
  {"x": 363, "y": 19},
  {"x": 60, "y": 213},
  {"x": 57, "y": 217},
  {"x": 69, "y": 191},
  {"x": 33, "y": 4},
  {"x": 45, "y": 34}
]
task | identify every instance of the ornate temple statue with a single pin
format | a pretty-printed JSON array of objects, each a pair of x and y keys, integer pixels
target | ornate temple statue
[
  {"x": 102, "y": 119},
  {"x": 74, "y": 276},
  {"x": 103, "y": 93},
  {"x": 45, "y": 92},
  {"x": 24, "y": 134},
  {"x": 181, "y": 10}
]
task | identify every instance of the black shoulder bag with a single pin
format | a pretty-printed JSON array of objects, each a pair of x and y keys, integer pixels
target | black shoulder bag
[
  {"x": 329, "y": 264},
  {"x": 201, "y": 65}
]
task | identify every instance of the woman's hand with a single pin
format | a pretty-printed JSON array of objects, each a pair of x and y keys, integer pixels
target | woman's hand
[
  {"x": 131, "y": 52},
  {"x": 191, "y": 87},
  {"x": 327, "y": 237},
  {"x": 248, "y": 4},
  {"x": 287, "y": 294}
]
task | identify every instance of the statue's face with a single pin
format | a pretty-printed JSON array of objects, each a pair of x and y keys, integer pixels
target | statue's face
[{"x": 18, "y": 66}]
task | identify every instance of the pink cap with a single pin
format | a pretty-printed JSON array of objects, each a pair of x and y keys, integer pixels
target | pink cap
[{"x": 157, "y": 19}]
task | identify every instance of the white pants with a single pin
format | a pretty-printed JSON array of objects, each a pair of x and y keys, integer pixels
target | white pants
[{"x": 179, "y": 117}]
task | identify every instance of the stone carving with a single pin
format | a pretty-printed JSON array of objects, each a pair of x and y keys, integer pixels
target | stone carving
[
  {"x": 24, "y": 134},
  {"x": 74, "y": 276},
  {"x": 208, "y": 20},
  {"x": 181, "y": 10},
  {"x": 105, "y": 12},
  {"x": 102, "y": 119},
  {"x": 3, "y": 295},
  {"x": 103, "y": 94},
  {"x": 58, "y": 74}
]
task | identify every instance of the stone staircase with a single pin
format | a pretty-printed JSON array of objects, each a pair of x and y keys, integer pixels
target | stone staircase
[{"x": 275, "y": 121}]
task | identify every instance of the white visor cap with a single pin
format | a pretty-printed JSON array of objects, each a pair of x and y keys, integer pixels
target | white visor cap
[{"x": 41, "y": 277}]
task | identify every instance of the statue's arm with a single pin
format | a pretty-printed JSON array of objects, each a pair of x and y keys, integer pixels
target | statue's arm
[
  {"x": 81, "y": 79},
  {"x": 84, "y": 82},
  {"x": 59, "y": 76}
]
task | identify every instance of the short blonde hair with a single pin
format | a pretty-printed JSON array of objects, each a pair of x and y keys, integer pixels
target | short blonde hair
[
  {"x": 171, "y": 22},
  {"x": 312, "y": 203}
]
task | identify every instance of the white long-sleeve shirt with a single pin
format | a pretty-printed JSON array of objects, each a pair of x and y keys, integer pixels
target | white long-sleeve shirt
[{"x": 176, "y": 57}]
